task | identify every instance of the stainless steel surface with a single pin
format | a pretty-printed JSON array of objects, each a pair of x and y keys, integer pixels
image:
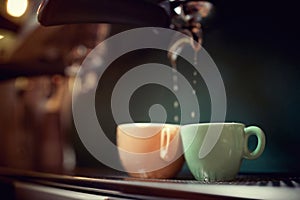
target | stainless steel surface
[{"x": 269, "y": 186}]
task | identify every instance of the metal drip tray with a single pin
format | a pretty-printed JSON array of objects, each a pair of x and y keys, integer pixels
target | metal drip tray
[
  {"x": 265, "y": 180},
  {"x": 268, "y": 186}
]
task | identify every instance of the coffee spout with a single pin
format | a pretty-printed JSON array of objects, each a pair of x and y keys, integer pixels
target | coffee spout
[{"x": 188, "y": 19}]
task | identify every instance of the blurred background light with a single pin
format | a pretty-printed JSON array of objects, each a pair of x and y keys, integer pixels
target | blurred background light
[{"x": 16, "y": 8}]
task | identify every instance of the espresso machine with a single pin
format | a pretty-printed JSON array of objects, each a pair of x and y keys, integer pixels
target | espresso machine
[
  {"x": 156, "y": 13},
  {"x": 186, "y": 16}
]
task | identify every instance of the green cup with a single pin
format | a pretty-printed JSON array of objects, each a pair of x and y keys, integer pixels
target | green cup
[{"x": 214, "y": 151}]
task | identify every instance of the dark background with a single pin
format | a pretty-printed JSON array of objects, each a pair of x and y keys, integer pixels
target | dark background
[{"x": 255, "y": 45}]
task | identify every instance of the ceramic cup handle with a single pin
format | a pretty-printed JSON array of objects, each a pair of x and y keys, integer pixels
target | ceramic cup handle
[{"x": 261, "y": 141}]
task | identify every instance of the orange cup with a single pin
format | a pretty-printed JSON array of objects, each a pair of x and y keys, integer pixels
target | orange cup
[{"x": 150, "y": 150}]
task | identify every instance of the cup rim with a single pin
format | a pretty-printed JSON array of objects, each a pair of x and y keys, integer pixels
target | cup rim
[
  {"x": 142, "y": 128},
  {"x": 213, "y": 123},
  {"x": 146, "y": 124}
]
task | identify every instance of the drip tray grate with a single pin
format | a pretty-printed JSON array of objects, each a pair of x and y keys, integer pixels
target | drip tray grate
[{"x": 289, "y": 181}]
